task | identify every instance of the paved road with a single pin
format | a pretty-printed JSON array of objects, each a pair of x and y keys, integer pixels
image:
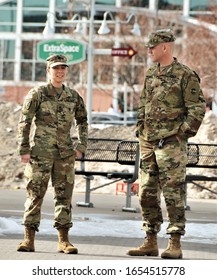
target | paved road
[{"x": 102, "y": 232}]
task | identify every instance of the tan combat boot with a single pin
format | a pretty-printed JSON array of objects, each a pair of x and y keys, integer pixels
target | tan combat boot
[
  {"x": 173, "y": 250},
  {"x": 64, "y": 246},
  {"x": 148, "y": 248},
  {"x": 28, "y": 244}
]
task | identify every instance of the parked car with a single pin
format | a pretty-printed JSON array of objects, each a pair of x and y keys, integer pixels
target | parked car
[{"x": 105, "y": 119}]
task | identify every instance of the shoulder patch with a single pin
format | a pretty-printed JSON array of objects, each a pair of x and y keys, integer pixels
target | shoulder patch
[{"x": 28, "y": 105}]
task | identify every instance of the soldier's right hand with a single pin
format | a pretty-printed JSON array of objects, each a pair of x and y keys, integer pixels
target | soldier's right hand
[{"x": 25, "y": 158}]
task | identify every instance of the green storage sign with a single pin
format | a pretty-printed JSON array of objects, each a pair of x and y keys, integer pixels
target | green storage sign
[{"x": 73, "y": 50}]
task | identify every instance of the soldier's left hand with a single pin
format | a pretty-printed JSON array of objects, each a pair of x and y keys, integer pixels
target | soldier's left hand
[{"x": 79, "y": 154}]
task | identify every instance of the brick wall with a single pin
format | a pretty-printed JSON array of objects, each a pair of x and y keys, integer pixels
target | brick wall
[{"x": 15, "y": 94}]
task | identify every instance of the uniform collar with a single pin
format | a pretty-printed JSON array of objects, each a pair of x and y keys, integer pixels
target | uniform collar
[
  {"x": 166, "y": 69},
  {"x": 65, "y": 93}
]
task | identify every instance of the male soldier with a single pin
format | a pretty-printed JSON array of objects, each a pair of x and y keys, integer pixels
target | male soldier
[
  {"x": 54, "y": 109},
  {"x": 171, "y": 110}
]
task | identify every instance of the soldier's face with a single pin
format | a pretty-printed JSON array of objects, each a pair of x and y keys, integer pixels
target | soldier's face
[
  {"x": 57, "y": 73},
  {"x": 156, "y": 53}
]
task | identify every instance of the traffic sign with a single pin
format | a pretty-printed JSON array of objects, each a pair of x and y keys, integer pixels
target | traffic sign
[
  {"x": 74, "y": 51},
  {"x": 130, "y": 52}
]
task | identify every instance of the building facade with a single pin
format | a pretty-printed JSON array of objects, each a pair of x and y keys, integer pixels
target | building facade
[{"x": 101, "y": 78}]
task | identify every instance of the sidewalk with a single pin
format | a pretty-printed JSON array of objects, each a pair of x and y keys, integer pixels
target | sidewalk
[
  {"x": 107, "y": 211},
  {"x": 96, "y": 248}
]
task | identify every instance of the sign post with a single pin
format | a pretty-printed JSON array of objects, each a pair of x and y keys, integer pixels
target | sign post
[{"x": 74, "y": 51}]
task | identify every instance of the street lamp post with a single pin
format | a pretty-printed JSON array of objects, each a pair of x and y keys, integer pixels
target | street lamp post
[
  {"x": 90, "y": 63},
  {"x": 50, "y": 29},
  {"x": 18, "y": 47}
]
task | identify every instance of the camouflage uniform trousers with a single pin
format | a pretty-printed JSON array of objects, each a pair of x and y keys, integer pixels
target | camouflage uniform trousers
[
  {"x": 39, "y": 171},
  {"x": 163, "y": 170}
]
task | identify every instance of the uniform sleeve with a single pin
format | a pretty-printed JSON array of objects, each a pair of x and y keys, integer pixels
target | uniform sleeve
[
  {"x": 81, "y": 125},
  {"x": 194, "y": 103},
  {"x": 141, "y": 111},
  {"x": 24, "y": 126}
]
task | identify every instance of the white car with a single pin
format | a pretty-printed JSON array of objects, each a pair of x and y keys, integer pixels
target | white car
[{"x": 105, "y": 119}]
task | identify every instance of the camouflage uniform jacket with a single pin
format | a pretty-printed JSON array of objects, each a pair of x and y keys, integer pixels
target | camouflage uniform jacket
[
  {"x": 171, "y": 103},
  {"x": 53, "y": 116}
]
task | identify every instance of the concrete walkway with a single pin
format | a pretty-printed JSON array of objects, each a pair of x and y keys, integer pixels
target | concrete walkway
[{"x": 100, "y": 246}]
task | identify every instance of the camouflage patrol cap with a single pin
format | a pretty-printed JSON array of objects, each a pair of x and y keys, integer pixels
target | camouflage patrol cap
[
  {"x": 160, "y": 36},
  {"x": 56, "y": 59}
]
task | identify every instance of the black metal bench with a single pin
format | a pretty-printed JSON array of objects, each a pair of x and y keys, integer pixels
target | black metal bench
[
  {"x": 126, "y": 152},
  {"x": 200, "y": 156},
  {"x": 123, "y": 152}
]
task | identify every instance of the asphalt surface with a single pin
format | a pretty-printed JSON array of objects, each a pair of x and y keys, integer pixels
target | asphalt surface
[{"x": 106, "y": 206}]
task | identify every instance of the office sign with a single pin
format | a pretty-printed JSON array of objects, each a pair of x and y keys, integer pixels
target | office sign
[
  {"x": 129, "y": 52},
  {"x": 74, "y": 51}
]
